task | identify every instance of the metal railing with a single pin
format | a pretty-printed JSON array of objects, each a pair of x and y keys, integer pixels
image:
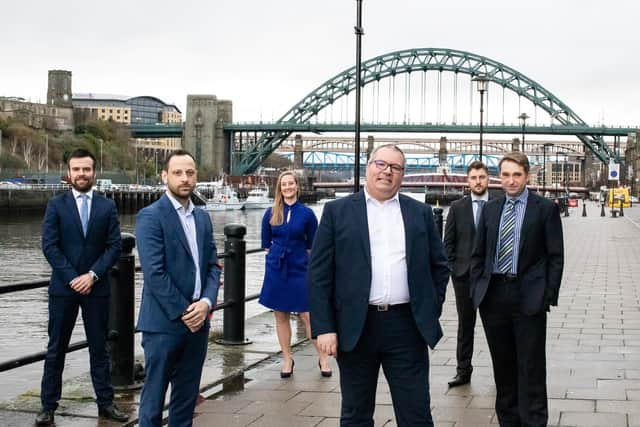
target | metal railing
[{"x": 121, "y": 318}]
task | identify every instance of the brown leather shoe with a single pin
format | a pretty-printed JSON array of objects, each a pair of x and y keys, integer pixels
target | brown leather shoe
[
  {"x": 45, "y": 417},
  {"x": 113, "y": 413}
]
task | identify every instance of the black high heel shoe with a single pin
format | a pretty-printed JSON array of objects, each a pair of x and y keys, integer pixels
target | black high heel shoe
[
  {"x": 288, "y": 374},
  {"x": 325, "y": 374}
]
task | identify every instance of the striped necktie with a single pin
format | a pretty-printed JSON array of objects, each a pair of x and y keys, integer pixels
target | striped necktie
[
  {"x": 507, "y": 237},
  {"x": 84, "y": 212}
]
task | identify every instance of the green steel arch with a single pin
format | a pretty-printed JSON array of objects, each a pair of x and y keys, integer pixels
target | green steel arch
[{"x": 407, "y": 61}]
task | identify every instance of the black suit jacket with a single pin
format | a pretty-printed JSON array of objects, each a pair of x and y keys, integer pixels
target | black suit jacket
[
  {"x": 540, "y": 257},
  {"x": 459, "y": 235},
  {"x": 339, "y": 275},
  {"x": 70, "y": 253}
]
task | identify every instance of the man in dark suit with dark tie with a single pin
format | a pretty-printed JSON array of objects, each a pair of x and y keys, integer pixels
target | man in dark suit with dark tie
[
  {"x": 459, "y": 233},
  {"x": 81, "y": 241},
  {"x": 516, "y": 270},
  {"x": 178, "y": 259},
  {"x": 377, "y": 280}
]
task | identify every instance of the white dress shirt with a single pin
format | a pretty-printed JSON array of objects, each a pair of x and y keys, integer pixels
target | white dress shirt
[
  {"x": 78, "y": 199},
  {"x": 389, "y": 283},
  {"x": 188, "y": 222}
]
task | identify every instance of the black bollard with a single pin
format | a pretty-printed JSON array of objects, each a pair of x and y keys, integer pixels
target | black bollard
[
  {"x": 234, "y": 285},
  {"x": 621, "y": 207},
  {"x": 121, "y": 317},
  {"x": 566, "y": 207},
  {"x": 437, "y": 213},
  {"x": 584, "y": 207},
  {"x": 602, "y": 213}
]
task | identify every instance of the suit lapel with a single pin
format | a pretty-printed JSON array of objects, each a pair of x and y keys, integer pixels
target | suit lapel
[
  {"x": 530, "y": 214},
  {"x": 467, "y": 211},
  {"x": 408, "y": 228},
  {"x": 93, "y": 213},
  {"x": 360, "y": 208},
  {"x": 494, "y": 228},
  {"x": 71, "y": 205},
  {"x": 176, "y": 223},
  {"x": 198, "y": 219}
]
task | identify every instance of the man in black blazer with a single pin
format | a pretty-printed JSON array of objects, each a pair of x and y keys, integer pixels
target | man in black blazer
[
  {"x": 516, "y": 270},
  {"x": 377, "y": 280},
  {"x": 81, "y": 241},
  {"x": 459, "y": 233}
]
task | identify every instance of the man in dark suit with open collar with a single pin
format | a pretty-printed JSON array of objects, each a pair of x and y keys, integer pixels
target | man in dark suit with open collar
[
  {"x": 377, "y": 280},
  {"x": 459, "y": 234},
  {"x": 179, "y": 264},
  {"x": 81, "y": 241},
  {"x": 516, "y": 270}
]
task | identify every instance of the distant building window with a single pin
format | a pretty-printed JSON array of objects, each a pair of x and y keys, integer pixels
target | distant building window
[{"x": 103, "y": 110}]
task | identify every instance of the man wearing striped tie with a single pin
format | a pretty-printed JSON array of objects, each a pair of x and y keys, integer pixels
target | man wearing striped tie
[{"x": 516, "y": 270}]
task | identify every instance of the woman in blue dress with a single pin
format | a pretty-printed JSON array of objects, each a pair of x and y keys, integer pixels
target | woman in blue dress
[{"x": 288, "y": 228}]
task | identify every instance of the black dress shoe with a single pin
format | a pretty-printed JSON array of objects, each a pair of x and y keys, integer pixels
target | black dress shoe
[
  {"x": 45, "y": 417},
  {"x": 288, "y": 374},
  {"x": 113, "y": 413},
  {"x": 459, "y": 379}
]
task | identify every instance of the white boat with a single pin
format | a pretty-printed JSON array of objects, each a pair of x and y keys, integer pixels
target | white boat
[
  {"x": 224, "y": 199},
  {"x": 258, "y": 198}
]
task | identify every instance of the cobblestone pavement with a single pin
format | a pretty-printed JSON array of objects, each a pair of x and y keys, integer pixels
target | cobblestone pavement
[{"x": 593, "y": 351}]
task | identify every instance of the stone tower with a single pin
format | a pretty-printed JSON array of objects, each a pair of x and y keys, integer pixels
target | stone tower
[
  {"x": 204, "y": 133},
  {"x": 59, "y": 89}
]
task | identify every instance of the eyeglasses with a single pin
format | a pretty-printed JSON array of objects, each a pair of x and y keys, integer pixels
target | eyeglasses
[{"x": 381, "y": 165}]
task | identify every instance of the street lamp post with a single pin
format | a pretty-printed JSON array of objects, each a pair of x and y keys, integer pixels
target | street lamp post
[
  {"x": 359, "y": 32},
  {"x": 544, "y": 163},
  {"x": 100, "y": 156},
  {"x": 523, "y": 121},
  {"x": 482, "y": 82}
]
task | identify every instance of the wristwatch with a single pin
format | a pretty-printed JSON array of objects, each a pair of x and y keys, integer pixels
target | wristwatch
[{"x": 94, "y": 276}]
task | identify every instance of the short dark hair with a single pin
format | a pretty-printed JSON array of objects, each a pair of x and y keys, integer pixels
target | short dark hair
[
  {"x": 477, "y": 164},
  {"x": 165, "y": 167},
  {"x": 80, "y": 153},
  {"x": 516, "y": 157}
]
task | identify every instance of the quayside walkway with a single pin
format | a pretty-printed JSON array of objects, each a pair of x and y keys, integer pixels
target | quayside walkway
[{"x": 593, "y": 355}]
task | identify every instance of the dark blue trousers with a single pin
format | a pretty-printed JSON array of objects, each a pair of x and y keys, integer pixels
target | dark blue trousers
[
  {"x": 390, "y": 339},
  {"x": 174, "y": 359},
  {"x": 63, "y": 312}
]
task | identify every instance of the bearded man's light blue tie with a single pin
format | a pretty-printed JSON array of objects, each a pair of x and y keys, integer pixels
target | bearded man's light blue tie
[
  {"x": 84, "y": 212},
  {"x": 507, "y": 237},
  {"x": 479, "y": 206}
]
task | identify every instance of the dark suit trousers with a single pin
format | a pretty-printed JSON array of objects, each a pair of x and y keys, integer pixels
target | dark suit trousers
[
  {"x": 175, "y": 359},
  {"x": 517, "y": 345},
  {"x": 466, "y": 325},
  {"x": 392, "y": 340},
  {"x": 63, "y": 312}
]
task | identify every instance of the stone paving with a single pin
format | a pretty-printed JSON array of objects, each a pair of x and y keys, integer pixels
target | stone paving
[{"x": 593, "y": 354}]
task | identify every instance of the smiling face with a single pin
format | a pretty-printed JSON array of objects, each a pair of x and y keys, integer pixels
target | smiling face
[
  {"x": 289, "y": 188},
  {"x": 513, "y": 178},
  {"x": 384, "y": 174},
  {"x": 180, "y": 177},
  {"x": 82, "y": 173}
]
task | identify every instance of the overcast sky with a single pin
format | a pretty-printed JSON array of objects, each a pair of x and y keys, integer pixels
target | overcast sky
[{"x": 266, "y": 55}]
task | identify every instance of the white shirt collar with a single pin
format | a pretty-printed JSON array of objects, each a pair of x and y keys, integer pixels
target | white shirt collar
[
  {"x": 177, "y": 205},
  {"x": 484, "y": 197},
  {"x": 368, "y": 197},
  {"x": 77, "y": 194}
]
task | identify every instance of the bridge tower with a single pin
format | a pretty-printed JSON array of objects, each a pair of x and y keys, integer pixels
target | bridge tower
[
  {"x": 204, "y": 135},
  {"x": 59, "y": 89}
]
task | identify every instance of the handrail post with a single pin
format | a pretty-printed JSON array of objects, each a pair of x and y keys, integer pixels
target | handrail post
[
  {"x": 121, "y": 317},
  {"x": 234, "y": 285},
  {"x": 438, "y": 217}
]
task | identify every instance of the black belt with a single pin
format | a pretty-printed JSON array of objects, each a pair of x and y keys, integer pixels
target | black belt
[
  {"x": 388, "y": 307},
  {"x": 503, "y": 278}
]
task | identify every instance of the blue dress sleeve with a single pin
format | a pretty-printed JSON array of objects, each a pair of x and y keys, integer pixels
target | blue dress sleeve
[
  {"x": 266, "y": 229},
  {"x": 310, "y": 227}
]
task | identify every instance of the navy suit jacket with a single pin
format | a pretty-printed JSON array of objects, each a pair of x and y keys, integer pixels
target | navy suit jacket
[
  {"x": 168, "y": 268},
  {"x": 540, "y": 253},
  {"x": 339, "y": 275},
  {"x": 70, "y": 253}
]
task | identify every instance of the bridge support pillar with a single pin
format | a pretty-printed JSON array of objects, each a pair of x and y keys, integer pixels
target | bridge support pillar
[
  {"x": 369, "y": 146},
  {"x": 298, "y": 154},
  {"x": 515, "y": 144}
]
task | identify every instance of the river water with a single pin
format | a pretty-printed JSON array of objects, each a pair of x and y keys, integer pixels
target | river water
[{"x": 23, "y": 319}]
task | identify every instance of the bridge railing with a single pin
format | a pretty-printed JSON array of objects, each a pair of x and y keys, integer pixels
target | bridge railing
[{"x": 121, "y": 320}]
